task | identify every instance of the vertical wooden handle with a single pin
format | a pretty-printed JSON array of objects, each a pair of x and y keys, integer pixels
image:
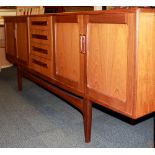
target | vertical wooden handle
[
  {"x": 15, "y": 31},
  {"x": 81, "y": 47},
  {"x": 83, "y": 44}
]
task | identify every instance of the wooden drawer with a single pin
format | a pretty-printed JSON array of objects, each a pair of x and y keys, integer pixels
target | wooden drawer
[
  {"x": 40, "y": 32},
  {"x": 41, "y": 50},
  {"x": 41, "y": 40},
  {"x": 41, "y": 65},
  {"x": 40, "y": 36},
  {"x": 40, "y": 23}
]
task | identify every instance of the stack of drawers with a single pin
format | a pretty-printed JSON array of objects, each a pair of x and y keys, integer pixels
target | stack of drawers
[{"x": 41, "y": 45}]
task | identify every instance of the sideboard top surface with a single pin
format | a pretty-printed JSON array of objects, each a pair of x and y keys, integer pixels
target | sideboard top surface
[{"x": 120, "y": 10}]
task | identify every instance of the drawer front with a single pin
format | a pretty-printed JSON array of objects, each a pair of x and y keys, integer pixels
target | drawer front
[
  {"x": 41, "y": 65},
  {"x": 41, "y": 50},
  {"x": 40, "y": 32},
  {"x": 40, "y": 23},
  {"x": 40, "y": 37}
]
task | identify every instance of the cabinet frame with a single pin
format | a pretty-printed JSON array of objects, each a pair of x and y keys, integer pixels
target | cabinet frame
[
  {"x": 12, "y": 57},
  {"x": 75, "y": 86},
  {"x": 17, "y": 56},
  {"x": 127, "y": 107}
]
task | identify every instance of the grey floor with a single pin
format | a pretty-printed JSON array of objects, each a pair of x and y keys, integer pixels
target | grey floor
[{"x": 37, "y": 118}]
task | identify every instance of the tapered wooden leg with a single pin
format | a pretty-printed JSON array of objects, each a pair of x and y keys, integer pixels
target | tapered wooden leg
[
  {"x": 87, "y": 113},
  {"x": 154, "y": 129},
  {"x": 19, "y": 78},
  {"x": 132, "y": 121}
]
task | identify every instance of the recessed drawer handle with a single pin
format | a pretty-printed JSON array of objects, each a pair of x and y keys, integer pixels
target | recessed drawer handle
[
  {"x": 42, "y": 64},
  {"x": 40, "y": 23},
  {"x": 40, "y": 50},
  {"x": 38, "y": 36}
]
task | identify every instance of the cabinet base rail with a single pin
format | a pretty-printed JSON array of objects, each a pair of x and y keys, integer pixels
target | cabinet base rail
[{"x": 84, "y": 105}]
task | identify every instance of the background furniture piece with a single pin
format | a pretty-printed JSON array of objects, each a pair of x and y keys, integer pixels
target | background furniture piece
[
  {"x": 16, "y": 40},
  {"x": 3, "y": 61},
  {"x": 57, "y": 9},
  {"x": 29, "y": 10}
]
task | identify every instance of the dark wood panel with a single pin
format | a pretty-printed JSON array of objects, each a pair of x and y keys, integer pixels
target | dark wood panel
[{"x": 10, "y": 41}]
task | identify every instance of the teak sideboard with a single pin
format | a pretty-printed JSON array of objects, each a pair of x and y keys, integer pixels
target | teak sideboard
[{"x": 101, "y": 57}]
